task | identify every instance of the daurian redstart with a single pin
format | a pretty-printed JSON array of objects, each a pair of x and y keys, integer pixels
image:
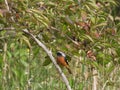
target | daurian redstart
[{"x": 61, "y": 60}]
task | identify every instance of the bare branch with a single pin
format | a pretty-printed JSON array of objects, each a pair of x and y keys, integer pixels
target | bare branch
[
  {"x": 7, "y": 5},
  {"x": 8, "y": 8},
  {"x": 49, "y": 53},
  {"x": 95, "y": 79},
  {"x": 74, "y": 42},
  {"x": 8, "y": 28}
]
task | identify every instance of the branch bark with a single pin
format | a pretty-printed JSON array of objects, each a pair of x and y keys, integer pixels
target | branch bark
[
  {"x": 95, "y": 79},
  {"x": 6, "y": 2},
  {"x": 49, "y": 53}
]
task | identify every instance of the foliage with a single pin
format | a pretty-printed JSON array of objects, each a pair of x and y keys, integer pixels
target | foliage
[{"x": 75, "y": 27}]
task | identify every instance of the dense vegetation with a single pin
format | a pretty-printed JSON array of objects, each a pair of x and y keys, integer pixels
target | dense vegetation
[{"x": 86, "y": 30}]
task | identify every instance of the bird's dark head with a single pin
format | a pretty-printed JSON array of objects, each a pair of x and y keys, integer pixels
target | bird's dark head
[{"x": 59, "y": 53}]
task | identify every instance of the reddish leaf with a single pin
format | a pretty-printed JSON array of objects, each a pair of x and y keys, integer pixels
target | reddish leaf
[{"x": 91, "y": 55}]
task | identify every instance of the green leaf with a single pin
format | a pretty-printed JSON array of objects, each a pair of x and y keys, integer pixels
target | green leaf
[
  {"x": 68, "y": 57},
  {"x": 26, "y": 40},
  {"x": 100, "y": 25},
  {"x": 88, "y": 37},
  {"x": 111, "y": 17},
  {"x": 40, "y": 17},
  {"x": 24, "y": 63},
  {"x": 47, "y": 61},
  {"x": 9, "y": 54}
]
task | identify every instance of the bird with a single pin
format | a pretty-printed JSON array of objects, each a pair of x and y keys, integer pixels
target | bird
[{"x": 62, "y": 61}]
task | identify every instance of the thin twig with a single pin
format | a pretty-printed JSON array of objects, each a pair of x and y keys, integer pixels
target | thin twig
[
  {"x": 8, "y": 28},
  {"x": 95, "y": 79},
  {"x": 103, "y": 88},
  {"x": 49, "y": 53},
  {"x": 73, "y": 41},
  {"x": 7, "y": 5},
  {"x": 8, "y": 8},
  {"x": 4, "y": 79}
]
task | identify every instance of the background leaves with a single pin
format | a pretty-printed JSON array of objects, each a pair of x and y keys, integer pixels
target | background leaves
[{"x": 72, "y": 26}]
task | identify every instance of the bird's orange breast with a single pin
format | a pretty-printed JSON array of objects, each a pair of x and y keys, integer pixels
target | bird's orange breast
[{"x": 61, "y": 60}]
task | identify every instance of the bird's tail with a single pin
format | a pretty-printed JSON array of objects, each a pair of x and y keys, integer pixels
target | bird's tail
[{"x": 69, "y": 70}]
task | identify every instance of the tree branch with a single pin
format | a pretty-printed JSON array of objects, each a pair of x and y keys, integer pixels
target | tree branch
[
  {"x": 7, "y": 5},
  {"x": 8, "y": 28},
  {"x": 49, "y": 53},
  {"x": 8, "y": 8},
  {"x": 95, "y": 79}
]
